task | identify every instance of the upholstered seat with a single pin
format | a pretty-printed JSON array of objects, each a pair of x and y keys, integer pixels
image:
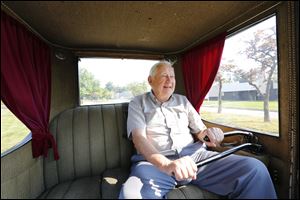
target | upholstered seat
[
  {"x": 93, "y": 151},
  {"x": 95, "y": 156},
  {"x": 190, "y": 192},
  {"x": 81, "y": 188}
]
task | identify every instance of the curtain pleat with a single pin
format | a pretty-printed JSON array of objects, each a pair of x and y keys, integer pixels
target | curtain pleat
[
  {"x": 26, "y": 82},
  {"x": 200, "y": 66}
]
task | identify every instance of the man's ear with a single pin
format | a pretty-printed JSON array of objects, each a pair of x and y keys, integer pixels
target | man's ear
[{"x": 149, "y": 80}]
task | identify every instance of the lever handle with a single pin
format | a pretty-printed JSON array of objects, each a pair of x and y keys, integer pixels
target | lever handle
[{"x": 227, "y": 153}]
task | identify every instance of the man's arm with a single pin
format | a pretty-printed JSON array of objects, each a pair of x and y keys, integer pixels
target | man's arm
[
  {"x": 144, "y": 147},
  {"x": 182, "y": 168}
]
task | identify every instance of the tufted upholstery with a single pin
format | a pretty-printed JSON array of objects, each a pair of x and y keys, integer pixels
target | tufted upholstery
[{"x": 94, "y": 154}]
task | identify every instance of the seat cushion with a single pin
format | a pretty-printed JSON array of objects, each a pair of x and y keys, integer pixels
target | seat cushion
[
  {"x": 112, "y": 182},
  {"x": 191, "y": 192},
  {"x": 113, "y": 179},
  {"x": 82, "y": 188}
]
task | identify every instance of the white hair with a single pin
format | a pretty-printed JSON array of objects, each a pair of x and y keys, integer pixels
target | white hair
[{"x": 156, "y": 65}]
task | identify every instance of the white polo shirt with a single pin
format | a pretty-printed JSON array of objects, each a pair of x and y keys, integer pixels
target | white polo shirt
[{"x": 168, "y": 125}]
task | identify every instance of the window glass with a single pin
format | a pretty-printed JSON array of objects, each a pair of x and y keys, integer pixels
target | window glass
[
  {"x": 245, "y": 91},
  {"x": 106, "y": 80},
  {"x": 13, "y": 131}
]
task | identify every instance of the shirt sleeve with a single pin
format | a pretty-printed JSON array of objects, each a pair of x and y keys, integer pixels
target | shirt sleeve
[
  {"x": 195, "y": 122},
  {"x": 136, "y": 117}
]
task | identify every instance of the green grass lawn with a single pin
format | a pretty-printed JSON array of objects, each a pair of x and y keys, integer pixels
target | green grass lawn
[
  {"x": 242, "y": 121},
  {"x": 245, "y": 122},
  {"x": 12, "y": 130},
  {"x": 255, "y": 105}
]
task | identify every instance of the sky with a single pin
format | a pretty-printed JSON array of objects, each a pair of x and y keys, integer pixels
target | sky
[
  {"x": 119, "y": 71},
  {"x": 235, "y": 43}
]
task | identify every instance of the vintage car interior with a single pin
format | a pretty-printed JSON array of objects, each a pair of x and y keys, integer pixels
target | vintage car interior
[{"x": 89, "y": 155}]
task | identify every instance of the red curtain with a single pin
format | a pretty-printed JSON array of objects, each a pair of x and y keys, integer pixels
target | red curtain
[
  {"x": 200, "y": 66},
  {"x": 26, "y": 82}
]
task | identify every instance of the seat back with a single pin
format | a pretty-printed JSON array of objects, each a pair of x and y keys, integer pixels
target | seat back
[{"x": 90, "y": 139}]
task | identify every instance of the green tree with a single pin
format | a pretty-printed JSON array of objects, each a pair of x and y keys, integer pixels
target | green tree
[
  {"x": 109, "y": 86},
  {"x": 114, "y": 90},
  {"x": 89, "y": 87},
  {"x": 221, "y": 78},
  {"x": 263, "y": 50},
  {"x": 137, "y": 88}
]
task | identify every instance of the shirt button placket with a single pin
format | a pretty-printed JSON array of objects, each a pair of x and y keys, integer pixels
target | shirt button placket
[{"x": 169, "y": 117}]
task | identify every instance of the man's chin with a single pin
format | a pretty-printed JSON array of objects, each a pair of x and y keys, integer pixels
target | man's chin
[{"x": 168, "y": 95}]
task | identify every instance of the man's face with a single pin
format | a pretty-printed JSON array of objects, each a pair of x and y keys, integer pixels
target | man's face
[{"x": 163, "y": 82}]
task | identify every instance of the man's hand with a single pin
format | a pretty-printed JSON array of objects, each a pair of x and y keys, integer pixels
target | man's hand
[
  {"x": 215, "y": 136},
  {"x": 182, "y": 168}
]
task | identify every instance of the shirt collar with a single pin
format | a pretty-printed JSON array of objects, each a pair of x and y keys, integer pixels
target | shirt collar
[{"x": 155, "y": 100}]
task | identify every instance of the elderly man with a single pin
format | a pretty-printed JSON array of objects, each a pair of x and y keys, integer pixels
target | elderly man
[{"x": 163, "y": 127}]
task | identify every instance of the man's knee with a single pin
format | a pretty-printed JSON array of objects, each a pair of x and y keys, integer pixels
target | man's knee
[
  {"x": 146, "y": 171},
  {"x": 131, "y": 189},
  {"x": 128, "y": 194},
  {"x": 253, "y": 164}
]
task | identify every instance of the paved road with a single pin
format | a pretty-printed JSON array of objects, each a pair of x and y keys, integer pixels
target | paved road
[{"x": 273, "y": 115}]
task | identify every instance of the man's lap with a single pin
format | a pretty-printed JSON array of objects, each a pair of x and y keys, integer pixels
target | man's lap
[
  {"x": 152, "y": 180},
  {"x": 218, "y": 177}
]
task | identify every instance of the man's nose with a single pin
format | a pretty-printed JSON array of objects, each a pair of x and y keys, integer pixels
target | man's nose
[{"x": 169, "y": 77}]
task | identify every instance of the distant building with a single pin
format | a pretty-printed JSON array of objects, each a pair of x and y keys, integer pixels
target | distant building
[{"x": 240, "y": 92}]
